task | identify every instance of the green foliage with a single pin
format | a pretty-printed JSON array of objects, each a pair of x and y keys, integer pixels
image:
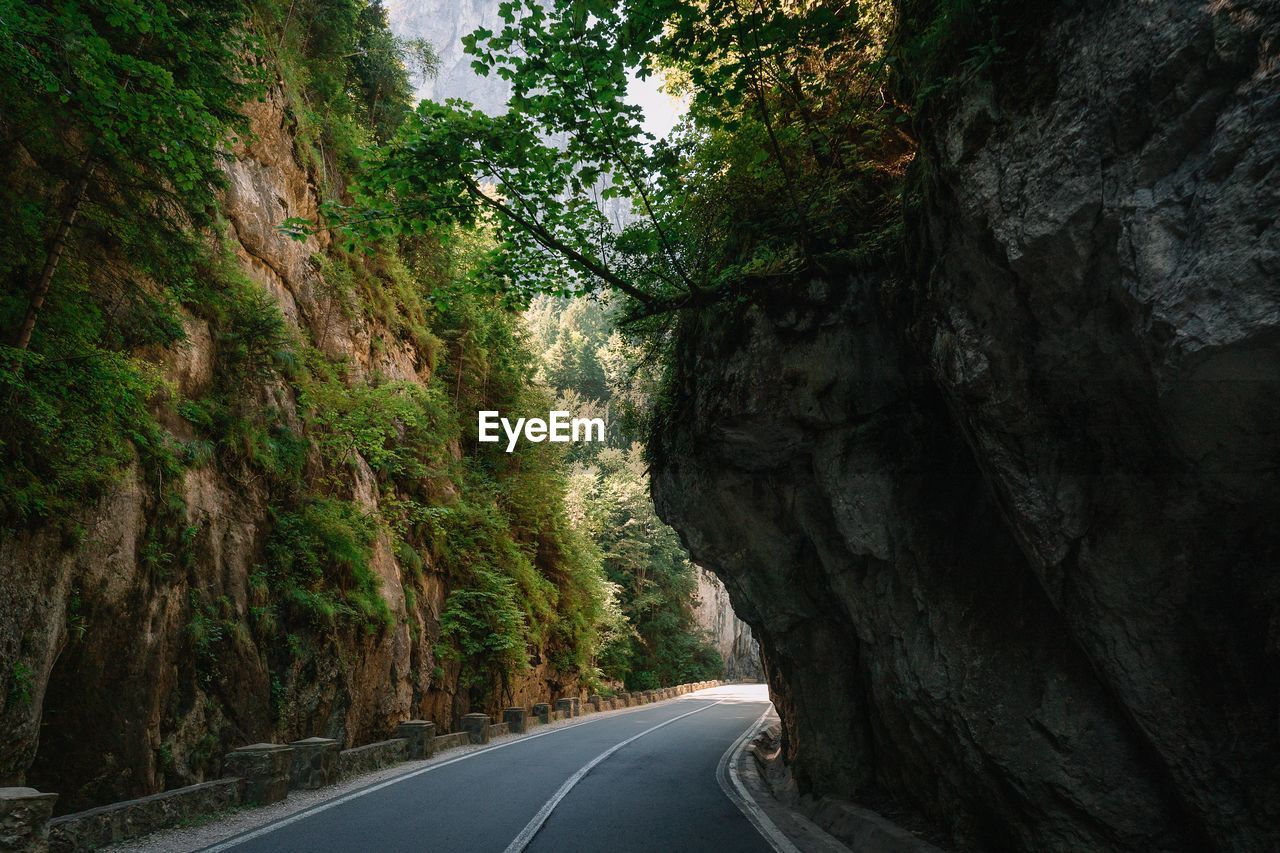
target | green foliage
[
  {"x": 941, "y": 44},
  {"x": 349, "y": 74},
  {"x": 145, "y": 90},
  {"x": 401, "y": 429},
  {"x": 168, "y": 547},
  {"x": 376, "y": 72},
  {"x": 20, "y": 684},
  {"x": 644, "y": 558},
  {"x": 789, "y": 162},
  {"x": 71, "y": 419},
  {"x": 595, "y": 369},
  {"x": 318, "y": 559},
  {"x": 483, "y": 627},
  {"x": 113, "y": 115},
  {"x": 210, "y": 629}
]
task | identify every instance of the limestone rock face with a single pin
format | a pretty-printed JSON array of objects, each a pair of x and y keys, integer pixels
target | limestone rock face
[
  {"x": 729, "y": 634},
  {"x": 1006, "y": 531},
  {"x": 443, "y": 23},
  {"x": 110, "y": 700}
]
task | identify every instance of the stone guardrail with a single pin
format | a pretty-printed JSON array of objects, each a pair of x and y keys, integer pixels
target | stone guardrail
[
  {"x": 264, "y": 773},
  {"x": 89, "y": 830},
  {"x": 451, "y": 741},
  {"x": 371, "y": 757}
]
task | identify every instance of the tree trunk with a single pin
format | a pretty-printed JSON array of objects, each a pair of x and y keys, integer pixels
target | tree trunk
[{"x": 41, "y": 288}]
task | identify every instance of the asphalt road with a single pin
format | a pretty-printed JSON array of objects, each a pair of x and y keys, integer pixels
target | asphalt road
[{"x": 637, "y": 780}]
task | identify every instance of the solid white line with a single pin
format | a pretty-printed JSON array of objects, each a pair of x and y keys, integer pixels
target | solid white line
[
  {"x": 731, "y": 784},
  {"x": 531, "y": 828},
  {"x": 346, "y": 798}
]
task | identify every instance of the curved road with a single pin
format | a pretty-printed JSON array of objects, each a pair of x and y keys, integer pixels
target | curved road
[{"x": 643, "y": 779}]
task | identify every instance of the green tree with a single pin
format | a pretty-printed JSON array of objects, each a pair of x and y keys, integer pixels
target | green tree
[
  {"x": 644, "y": 558},
  {"x": 789, "y": 157},
  {"x": 125, "y": 106},
  {"x": 113, "y": 119},
  {"x": 377, "y": 70}
]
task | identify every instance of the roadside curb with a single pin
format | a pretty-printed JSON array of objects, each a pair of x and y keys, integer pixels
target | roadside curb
[
  {"x": 786, "y": 830},
  {"x": 835, "y": 825}
]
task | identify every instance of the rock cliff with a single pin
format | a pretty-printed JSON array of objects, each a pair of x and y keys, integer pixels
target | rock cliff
[
  {"x": 729, "y": 634},
  {"x": 115, "y": 702},
  {"x": 443, "y": 23},
  {"x": 1004, "y": 527}
]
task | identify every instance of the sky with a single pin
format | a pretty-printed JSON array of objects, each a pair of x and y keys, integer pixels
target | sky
[
  {"x": 444, "y": 22},
  {"x": 661, "y": 111}
]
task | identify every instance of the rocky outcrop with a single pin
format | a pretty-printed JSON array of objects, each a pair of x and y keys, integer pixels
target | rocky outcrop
[
  {"x": 1006, "y": 533},
  {"x": 730, "y": 636},
  {"x": 107, "y": 697},
  {"x": 443, "y": 23}
]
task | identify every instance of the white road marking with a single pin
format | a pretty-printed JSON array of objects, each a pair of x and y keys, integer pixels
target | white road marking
[
  {"x": 731, "y": 784},
  {"x": 346, "y": 798},
  {"x": 531, "y": 828}
]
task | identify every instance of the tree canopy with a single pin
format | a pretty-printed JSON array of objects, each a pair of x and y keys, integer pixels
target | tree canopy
[{"x": 770, "y": 174}]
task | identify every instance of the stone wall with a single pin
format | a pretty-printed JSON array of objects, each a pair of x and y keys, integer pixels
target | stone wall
[
  {"x": 95, "y": 828},
  {"x": 371, "y": 757}
]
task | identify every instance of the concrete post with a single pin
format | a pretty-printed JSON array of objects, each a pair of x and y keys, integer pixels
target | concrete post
[
  {"x": 577, "y": 706},
  {"x": 265, "y": 769},
  {"x": 24, "y": 819},
  {"x": 565, "y": 706},
  {"x": 314, "y": 763},
  {"x": 514, "y": 718},
  {"x": 543, "y": 712},
  {"x": 624, "y": 699},
  {"x": 421, "y": 737},
  {"x": 595, "y": 702},
  {"x": 477, "y": 727}
]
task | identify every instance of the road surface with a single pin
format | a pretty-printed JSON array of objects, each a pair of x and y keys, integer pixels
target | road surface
[{"x": 643, "y": 779}]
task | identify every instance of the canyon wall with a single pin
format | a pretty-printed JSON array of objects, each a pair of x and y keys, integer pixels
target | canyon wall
[
  {"x": 443, "y": 23},
  {"x": 729, "y": 634},
  {"x": 1004, "y": 525},
  {"x": 115, "y": 698}
]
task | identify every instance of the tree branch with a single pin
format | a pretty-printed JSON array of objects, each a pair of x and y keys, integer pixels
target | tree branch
[{"x": 555, "y": 244}]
